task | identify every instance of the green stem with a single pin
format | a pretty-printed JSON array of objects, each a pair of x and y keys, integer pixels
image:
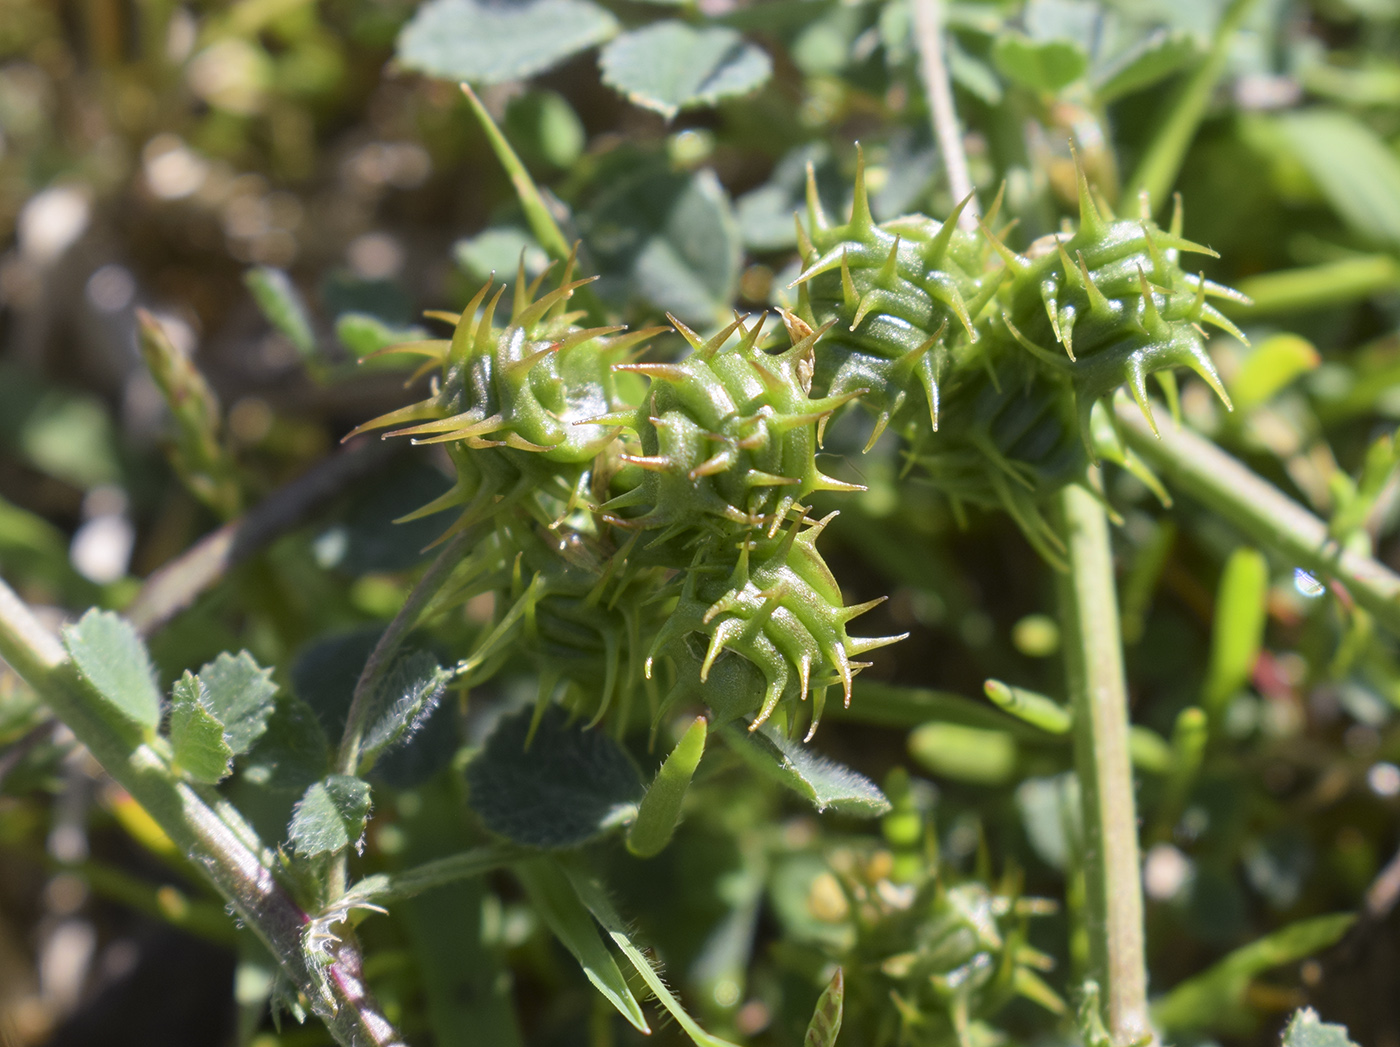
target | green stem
[
  {"x": 1196, "y": 467},
  {"x": 200, "y": 822},
  {"x": 938, "y": 89},
  {"x": 1088, "y": 607},
  {"x": 1159, "y": 166}
]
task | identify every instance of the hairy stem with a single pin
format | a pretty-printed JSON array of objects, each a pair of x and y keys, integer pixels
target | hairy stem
[
  {"x": 201, "y": 824},
  {"x": 1157, "y": 170},
  {"x": 1088, "y": 608},
  {"x": 1194, "y": 466},
  {"x": 928, "y": 35}
]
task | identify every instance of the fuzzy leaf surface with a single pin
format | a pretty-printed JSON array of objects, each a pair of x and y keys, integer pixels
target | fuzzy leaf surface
[
  {"x": 568, "y": 787},
  {"x": 1306, "y": 1029},
  {"x": 554, "y": 898},
  {"x": 407, "y": 697},
  {"x": 241, "y": 694},
  {"x": 196, "y": 733},
  {"x": 669, "y": 66},
  {"x": 827, "y": 785},
  {"x": 490, "y": 43},
  {"x": 111, "y": 657},
  {"x": 668, "y": 238},
  {"x": 281, "y": 303},
  {"x": 330, "y": 816}
]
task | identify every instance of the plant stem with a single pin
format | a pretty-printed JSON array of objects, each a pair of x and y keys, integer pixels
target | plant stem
[
  {"x": 180, "y": 582},
  {"x": 1157, "y": 170},
  {"x": 928, "y": 35},
  {"x": 1195, "y": 466},
  {"x": 361, "y": 704},
  {"x": 200, "y": 822},
  {"x": 1088, "y": 606}
]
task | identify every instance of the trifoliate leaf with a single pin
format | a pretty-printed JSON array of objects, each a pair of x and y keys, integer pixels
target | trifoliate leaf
[
  {"x": 407, "y": 697},
  {"x": 196, "y": 733},
  {"x": 568, "y": 787},
  {"x": 669, "y": 66},
  {"x": 1151, "y": 60},
  {"x": 1041, "y": 65},
  {"x": 281, "y": 303},
  {"x": 668, "y": 238},
  {"x": 240, "y": 693},
  {"x": 330, "y": 816},
  {"x": 826, "y": 784},
  {"x": 491, "y": 42},
  {"x": 1306, "y": 1029},
  {"x": 109, "y": 655}
]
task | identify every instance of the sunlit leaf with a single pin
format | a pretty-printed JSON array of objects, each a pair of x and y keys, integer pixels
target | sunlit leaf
[
  {"x": 330, "y": 816},
  {"x": 196, "y": 734},
  {"x": 110, "y": 656},
  {"x": 669, "y": 66}
]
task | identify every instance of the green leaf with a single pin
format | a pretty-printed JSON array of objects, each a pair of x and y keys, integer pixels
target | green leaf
[
  {"x": 330, "y": 816},
  {"x": 597, "y": 903},
  {"x": 491, "y": 43},
  {"x": 1238, "y": 629},
  {"x": 825, "y": 1025},
  {"x": 669, "y": 66},
  {"x": 660, "y": 810},
  {"x": 363, "y": 334},
  {"x": 967, "y": 754},
  {"x": 1273, "y": 364},
  {"x": 240, "y": 693},
  {"x": 1356, "y": 171},
  {"x": 556, "y": 902},
  {"x": 827, "y": 785},
  {"x": 1152, "y": 59},
  {"x": 1041, "y": 65},
  {"x": 569, "y": 786},
  {"x": 407, "y": 697},
  {"x": 109, "y": 655},
  {"x": 1216, "y": 998},
  {"x": 281, "y": 303},
  {"x": 196, "y": 733},
  {"x": 668, "y": 238},
  {"x": 1305, "y": 1029}
]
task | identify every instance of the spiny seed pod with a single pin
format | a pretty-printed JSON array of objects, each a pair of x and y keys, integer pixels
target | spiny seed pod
[
  {"x": 1114, "y": 297},
  {"x": 727, "y": 436},
  {"x": 776, "y": 604},
  {"x": 530, "y": 388},
  {"x": 581, "y": 614},
  {"x": 900, "y": 295}
]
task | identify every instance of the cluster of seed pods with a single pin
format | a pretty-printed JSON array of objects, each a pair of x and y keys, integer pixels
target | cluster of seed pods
[{"x": 628, "y": 505}]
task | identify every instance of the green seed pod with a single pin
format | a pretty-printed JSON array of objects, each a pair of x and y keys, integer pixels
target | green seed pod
[
  {"x": 900, "y": 294},
  {"x": 525, "y": 394},
  {"x": 780, "y": 608},
  {"x": 728, "y": 436},
  {"x": 1113, "y": 296}
]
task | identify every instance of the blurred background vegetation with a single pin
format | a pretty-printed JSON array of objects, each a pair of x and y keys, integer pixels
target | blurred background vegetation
[{"x": 285, "y": 193}]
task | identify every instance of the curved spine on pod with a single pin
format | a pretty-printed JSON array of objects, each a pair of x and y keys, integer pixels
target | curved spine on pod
[
  {"x": 513, "y": 405},
  {"x": 901, "y": 296},
  {"x": 726, "y": 437},
  {"x": 1108, "y": 304},
  {"x": 772, "y": 601}
]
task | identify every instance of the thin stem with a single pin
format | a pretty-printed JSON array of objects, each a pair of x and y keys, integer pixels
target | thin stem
[
  {"x": 180, "y": 582},
  {"x": 1196, "y": 467},
  {"x": 928, "y": 35},
  {"x": 361, "y": 704},
  {"x": 382, "y": 888},
  {"x": 1088, "y": 606},
  {"x": 1157, "y": 170},
  {"x": 201, "y": 824}
]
